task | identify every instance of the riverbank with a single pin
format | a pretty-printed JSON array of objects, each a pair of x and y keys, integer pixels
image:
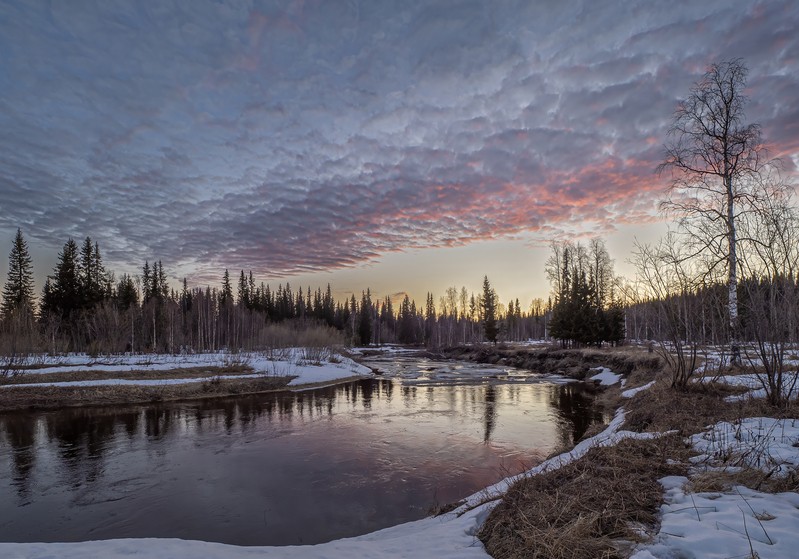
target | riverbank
[
  {"x": 51, "y": 382},
  {"x": 707, "y": 472},
  {"x": 713, "y": 444},
  {"x": 577, "y": 364}
]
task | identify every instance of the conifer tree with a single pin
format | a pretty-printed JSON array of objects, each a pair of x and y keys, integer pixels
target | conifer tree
[
  {"x": 93, "y": 277},
  {"x": 65, "y": 297},
  {"x": 243, "y": 294},
  {"x": 18, "y": 290},
  {"x": 489, "y": 312},
  {"x": 226, "y": 296},
  {"x": 365, "y": 318},
  {"x": 126, "y": 294},
  {"x": 146, "y": 282}
]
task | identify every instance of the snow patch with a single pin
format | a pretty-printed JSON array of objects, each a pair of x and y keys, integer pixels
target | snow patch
[
  {"x": 605, "y": 376},
  {"x": 633, "y": 391},
  {"x": 762, "y": 443}
]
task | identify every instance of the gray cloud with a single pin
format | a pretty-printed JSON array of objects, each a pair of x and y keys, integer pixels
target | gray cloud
[{"x": 304, "y": 136}]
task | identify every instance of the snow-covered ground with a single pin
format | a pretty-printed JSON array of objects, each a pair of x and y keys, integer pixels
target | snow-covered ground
[
  {"x": 763, "y": 443},
  {"x": 296, "y": 362},
  {"x": 741, "y": 522},
  {"x": 754, "y": 384}
]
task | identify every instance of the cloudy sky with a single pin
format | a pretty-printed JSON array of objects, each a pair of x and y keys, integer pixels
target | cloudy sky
[{"x": 404, "y": 146}]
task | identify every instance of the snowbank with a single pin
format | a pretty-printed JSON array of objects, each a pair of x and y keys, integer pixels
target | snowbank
[
  {"x": 287, "y": 362},
  {"x": 444, "y": 537},
  {"x": 716, "y": 525}
]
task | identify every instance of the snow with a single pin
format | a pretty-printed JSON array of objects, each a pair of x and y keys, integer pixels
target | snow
[
  {"x": 711, "y": 524},
  {"x": 716, "y": 525},
  {"x": 148, "y": 362},
  {"x": 605, "y": 376},
  {"x": 741, "y": 522},
  {"x": 751, "y": 381},
  {"x": 629, "y": 393},
  {"x": 445, "y": 537},
  {"x": 284, "y": 362},
  {"x": 763, "y": 443}
]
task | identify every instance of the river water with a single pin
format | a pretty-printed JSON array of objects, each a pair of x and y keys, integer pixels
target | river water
[{"x": 282, "y": 468}]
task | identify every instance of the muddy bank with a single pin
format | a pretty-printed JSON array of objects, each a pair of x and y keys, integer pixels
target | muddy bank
[
  {"x": 21, "y": 397},
  {"x": 572, "y": 363}
]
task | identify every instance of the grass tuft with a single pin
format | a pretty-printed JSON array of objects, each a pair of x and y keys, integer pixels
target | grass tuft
[{"x": 583, "y": 509}]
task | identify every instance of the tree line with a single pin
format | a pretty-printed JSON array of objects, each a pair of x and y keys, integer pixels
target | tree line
[{"x": 84, "y": 307}]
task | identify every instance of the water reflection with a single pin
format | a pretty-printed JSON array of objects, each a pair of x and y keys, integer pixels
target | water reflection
[
  {"x": 376, "y": 451},
  {"x": 490, "y": 411}
]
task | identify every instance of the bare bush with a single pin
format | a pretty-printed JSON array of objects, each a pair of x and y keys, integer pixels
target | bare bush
[{"x": 669, "y": 281}]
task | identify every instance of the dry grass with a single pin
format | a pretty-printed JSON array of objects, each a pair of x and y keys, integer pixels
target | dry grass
[
  {"x": 661, "y": 409},
  {"x": 581, "y": 510},
  {"x": 21, "y": 397},
  {"x": 723, "y": 481}
]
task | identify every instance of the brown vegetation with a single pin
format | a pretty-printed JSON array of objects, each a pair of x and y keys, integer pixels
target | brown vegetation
[
  {"x": 582, "y": 509},
  {"x": 97, "y": 373},
  {"x": 574, "y": 363},
  {"x": 22, "y": 397}
]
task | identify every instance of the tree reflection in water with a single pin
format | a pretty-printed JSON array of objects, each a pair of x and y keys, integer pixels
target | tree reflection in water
[{"x": 397, "y": 443}]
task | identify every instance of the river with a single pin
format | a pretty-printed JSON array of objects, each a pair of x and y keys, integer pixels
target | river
[{"x": 282, "y": 468}]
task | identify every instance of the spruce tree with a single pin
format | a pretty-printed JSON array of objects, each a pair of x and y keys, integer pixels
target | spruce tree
[
  {"x": 226, "y": 296},
  {"x": 365, "y": 318},
  {"x": 93, "y": 277},
  {"x": 18, "y": 290},
  {"x": 127, "y": 295},
  {"x": 146, "y": 282},
  {"x": 489, "y": 312},
  {"x": 244, "y": 291},
  {"x": 66, "y": 284}
]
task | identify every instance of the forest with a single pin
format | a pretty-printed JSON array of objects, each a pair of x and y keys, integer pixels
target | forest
[{"x": 83, "y": 307}]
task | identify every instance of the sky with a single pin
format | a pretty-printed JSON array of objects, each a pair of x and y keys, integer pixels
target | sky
[{"x": 402, "y": 146}]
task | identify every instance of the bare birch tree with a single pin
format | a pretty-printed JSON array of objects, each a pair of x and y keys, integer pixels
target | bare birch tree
[{"x": 711, "y": 153}]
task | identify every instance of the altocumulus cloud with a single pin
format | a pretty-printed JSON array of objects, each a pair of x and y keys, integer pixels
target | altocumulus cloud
[{"x": 300, "y": 136}]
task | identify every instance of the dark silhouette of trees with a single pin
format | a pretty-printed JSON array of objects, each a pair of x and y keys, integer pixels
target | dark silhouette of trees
[
  {"x": 18, "y": 289},
  {"x": 365, "y": 319},
  {"x": 490, "y": 328},
  {"x": 62, "y": 295},
  {"x": 585, "y": 310}
]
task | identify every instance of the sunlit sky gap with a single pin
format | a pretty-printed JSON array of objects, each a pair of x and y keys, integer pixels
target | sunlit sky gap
[{"x": 403, "y": 146}]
